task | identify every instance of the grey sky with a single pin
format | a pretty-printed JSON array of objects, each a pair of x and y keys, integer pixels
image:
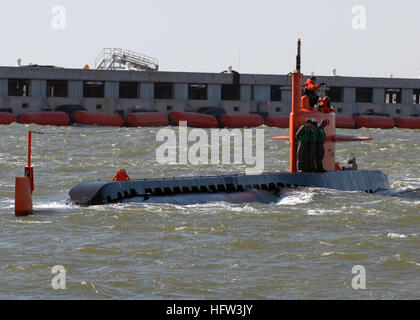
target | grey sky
[{"x": 206, "y": 36}]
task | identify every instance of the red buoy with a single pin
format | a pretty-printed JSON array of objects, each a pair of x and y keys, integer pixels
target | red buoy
[
  {"x": 407, "y": 123},
  {"x": 146, "y": 119},
  {"x": 344, "y": 122},
  {"x": 23, "y": 197},
  {"x": 380, "y": 122},
  {"x": 24, "y": 186},
  {"x": 7, "y": 118},
  {"x": 278, "y": 122},
  {"x": 45, "y": 118},
  {"x": 97, "y": 118},
  {"x": 193, "y": 119},
  {"x": 241, "y": 120}
]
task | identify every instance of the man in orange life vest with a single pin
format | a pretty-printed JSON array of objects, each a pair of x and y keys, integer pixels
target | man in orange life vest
[
  {"x": 310, "y": 91},
  {"x": 325, "y": 105}
]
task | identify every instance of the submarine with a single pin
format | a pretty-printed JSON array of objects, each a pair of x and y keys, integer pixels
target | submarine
[{"x": 264, "y": 187}]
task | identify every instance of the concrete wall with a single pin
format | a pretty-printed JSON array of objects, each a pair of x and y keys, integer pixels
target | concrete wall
[
  {"x": 394, "y": 110},
  {"x": 38, "y": 88},
  {"x": 286, "y": 95},
  {"x": 75, "y": 89},
  {"x": 214, "y": 92},
  {"x": 278, "y": 108},
  {"x": 146, "y": 80},
  {"x": 4, "y": 87},
  {"x": 245, "y": 93},
  {"x": 274, "y": 108},
  {"x": 261, "y": 93},
  {"x": 193, "y": 77},
  {"x": 112, "y": 89},
  {"x": 181, "y": 91},
  {"x": 378, "y": 95},
  {"x": 349, "y": 95},
  {"x": 407, "y": 96},
  {"x": 147, "y": 90}
]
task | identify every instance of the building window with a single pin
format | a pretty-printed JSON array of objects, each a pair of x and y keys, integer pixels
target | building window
[
  {"x": 93, "y": 89},
  {"x": 19, "y": 87},
  {"x": 416, "y": 96},
  {"x": 230, "y": 92},
  {"x": 335, "y": 94},
  {"x": 197, "y": 91},
  {"x": 392, "y": 95},
  {"x": 364, "y": 95},
  {"x": 57, "y": 88},
  {"x": 252, "y": 94},
  {"x": 275, "y": 93},
  {"x": 129, "y": 90},
  {"x": 164, "y": 90}
]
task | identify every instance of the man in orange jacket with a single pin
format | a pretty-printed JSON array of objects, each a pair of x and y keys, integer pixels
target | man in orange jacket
[
  {"x": 325, "y": 105},
  {"x": 310, "y": 91}
]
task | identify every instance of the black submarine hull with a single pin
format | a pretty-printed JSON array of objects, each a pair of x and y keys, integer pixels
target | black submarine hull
[{"x": 170, "y": 189}]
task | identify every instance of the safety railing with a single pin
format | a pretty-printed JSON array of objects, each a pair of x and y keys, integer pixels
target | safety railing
[{"x": 117, "y": 58}]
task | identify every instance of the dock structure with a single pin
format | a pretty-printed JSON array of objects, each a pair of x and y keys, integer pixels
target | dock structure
[
  {"x": 28, "y": 89},
  {"x": 104, "y": 192}
]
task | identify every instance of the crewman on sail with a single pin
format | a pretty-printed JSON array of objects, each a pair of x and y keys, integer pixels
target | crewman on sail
[
  {"x": 302, "y": 136},
  {"x": 325, "y": 105},
  {"x": 321, "y": 136},
  {"x": 312, "y": 138},
  {"x": 310, "y": 91}
]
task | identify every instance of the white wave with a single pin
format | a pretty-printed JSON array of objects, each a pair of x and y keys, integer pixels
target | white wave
[
  {"x": 299, "y": 197},
  {"x": 396, "y": 235},
  {"x": 10, "y": 203},
  {"x": 33, "y": 221},
  {"x": 51, "y": 205},
  {"x": 244, "y": 208},
  {"x": 317, "y": 212}
]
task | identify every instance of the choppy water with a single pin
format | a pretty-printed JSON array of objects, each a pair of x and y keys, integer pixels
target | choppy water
[{"x": 304, "y": 246}]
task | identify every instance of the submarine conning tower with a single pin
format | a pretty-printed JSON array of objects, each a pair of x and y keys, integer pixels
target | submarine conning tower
[{"x": 300, "y": 113}]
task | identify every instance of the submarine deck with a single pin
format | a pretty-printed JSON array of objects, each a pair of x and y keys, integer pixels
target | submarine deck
[{"x": 102, "y": 192}]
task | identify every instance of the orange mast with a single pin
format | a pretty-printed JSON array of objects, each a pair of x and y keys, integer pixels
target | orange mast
[{"x": 296, "y": 100}]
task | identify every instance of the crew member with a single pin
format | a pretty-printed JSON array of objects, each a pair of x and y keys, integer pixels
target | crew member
[
  {"x": 310, "y": 91},
  {"x": 321, "y": 136},
  {"x": 325, "y": 105},
  {"x": 302, "y": 136},
  {"x": 312, "y": 136}
]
